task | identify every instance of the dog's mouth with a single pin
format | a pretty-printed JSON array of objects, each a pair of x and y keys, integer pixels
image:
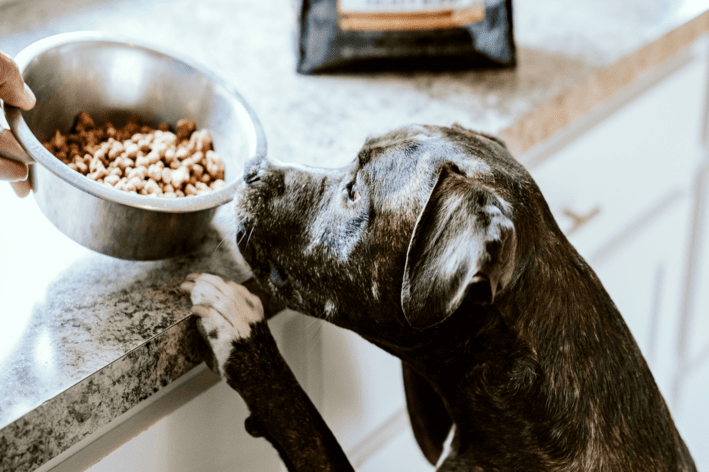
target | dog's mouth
[
  {"x": 262, "y": 242},
  {"x": 277, "y": 276},
  {"x": 258, "y": 257}
]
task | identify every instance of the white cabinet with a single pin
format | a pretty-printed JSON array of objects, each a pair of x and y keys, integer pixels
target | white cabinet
[
  {"x": 205, "y": 434},
  {"x": 401, "y": 453},
  {"x": 691, "y": 380},
  {"x": 645, "y": 279},
  {"x": 629, "y": 162},
  {"x": 363, "y": 386}
]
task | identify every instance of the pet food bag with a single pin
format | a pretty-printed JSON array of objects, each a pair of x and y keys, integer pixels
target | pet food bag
[{"x": 403, "y": 34}]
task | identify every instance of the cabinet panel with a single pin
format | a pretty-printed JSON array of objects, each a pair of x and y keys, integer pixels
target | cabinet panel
[
  {"x": 645, "y": 279},
  {"x": 206, "y": 433},
  {"x": 696, "y": 334},
  {"x": 400, "y": 454},
  {"x": 628, "y": 163},
  {"x": 692, "y": 415},
  {"x": 362, "y": 385},
  {"x": 692, "y": 378},
  {"x": 299, "y": 341}
]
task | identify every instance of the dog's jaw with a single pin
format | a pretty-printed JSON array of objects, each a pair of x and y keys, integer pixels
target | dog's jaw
[{"x": 270, "y": 274}]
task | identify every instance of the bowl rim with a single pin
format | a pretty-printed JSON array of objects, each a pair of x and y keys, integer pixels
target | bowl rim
[{"x": 169, "y": 205}]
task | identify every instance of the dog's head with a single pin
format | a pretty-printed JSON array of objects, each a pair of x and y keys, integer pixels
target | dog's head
[{"x": 421, "y": 220}]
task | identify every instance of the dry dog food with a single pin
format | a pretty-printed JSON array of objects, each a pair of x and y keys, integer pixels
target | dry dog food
[{"x": 140, "y": 159}]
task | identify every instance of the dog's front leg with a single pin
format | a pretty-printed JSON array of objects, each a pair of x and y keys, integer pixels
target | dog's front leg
[{"x": 232, "y": 321}]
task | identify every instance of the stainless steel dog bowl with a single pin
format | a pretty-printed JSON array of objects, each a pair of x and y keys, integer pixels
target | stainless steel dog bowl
[{"x": 112, "y": 80}]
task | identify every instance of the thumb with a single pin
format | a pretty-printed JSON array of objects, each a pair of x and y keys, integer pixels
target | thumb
[
  {"x": 25, "y": 98},
  {"x": 13, "y": 90}
]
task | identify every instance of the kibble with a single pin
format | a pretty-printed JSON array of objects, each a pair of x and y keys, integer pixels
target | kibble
[{"x": 140, "y": 159}]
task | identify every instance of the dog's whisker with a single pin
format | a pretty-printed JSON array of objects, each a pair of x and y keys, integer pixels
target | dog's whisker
[
  {"x": 249, "y": 238},
  {"x": 312, "y": 322},
  {"x": 220, "y": 242},
  {"x": 238, "y": 229},
  {"x": 243, "y": 233},
  {"x": 318, "y": 329}
]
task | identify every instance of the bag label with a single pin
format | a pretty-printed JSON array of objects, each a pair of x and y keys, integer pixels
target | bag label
[{"x": 390, "y": 15}]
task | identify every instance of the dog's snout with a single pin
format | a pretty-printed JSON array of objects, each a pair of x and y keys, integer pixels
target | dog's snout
[{"x": 254, "y": 168}]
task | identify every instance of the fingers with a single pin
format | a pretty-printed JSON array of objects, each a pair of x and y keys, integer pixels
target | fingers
[
  {"x": 16, "y": 173},
  {"x": 12, "y": 171},
  {"x": 22, "y": 189},
  {"x": 13, "y": 90}
]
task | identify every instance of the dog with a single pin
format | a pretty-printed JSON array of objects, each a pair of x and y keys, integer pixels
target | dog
[{"x": 436, "y": 245}]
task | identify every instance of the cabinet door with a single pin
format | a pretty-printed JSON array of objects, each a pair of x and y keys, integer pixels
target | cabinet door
[
  {"x": 691, "y": 383},
  {"x": 402, "y": 453},
  {"x": 362, "y": 386},
  {"x": 611, "y": 174},
  {"x": 207, "y": 433},
  {"x": 645, "y": 278}
]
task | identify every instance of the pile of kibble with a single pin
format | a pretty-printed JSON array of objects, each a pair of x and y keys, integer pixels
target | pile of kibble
[{"x": 141, "y": 159}]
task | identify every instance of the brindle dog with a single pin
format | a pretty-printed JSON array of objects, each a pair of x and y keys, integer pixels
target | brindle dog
[{"x": 437, "y": 246}]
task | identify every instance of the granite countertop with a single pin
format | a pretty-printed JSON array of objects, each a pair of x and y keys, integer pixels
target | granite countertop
[{"x": 85, "y": 337}]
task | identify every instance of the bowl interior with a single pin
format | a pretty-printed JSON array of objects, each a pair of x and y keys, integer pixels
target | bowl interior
[{"x": 115, "y": 81}]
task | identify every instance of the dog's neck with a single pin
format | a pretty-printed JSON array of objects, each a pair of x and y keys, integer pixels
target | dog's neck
[
  {"x": 559, "y": 299},
  {"x": 564, "y": 387}
]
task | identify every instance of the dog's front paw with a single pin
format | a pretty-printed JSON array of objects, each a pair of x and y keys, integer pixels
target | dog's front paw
[{"x": 226, "y": 311}]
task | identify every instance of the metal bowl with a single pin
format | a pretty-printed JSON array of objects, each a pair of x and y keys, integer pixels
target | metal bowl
[{"x": 114, "y": 80}]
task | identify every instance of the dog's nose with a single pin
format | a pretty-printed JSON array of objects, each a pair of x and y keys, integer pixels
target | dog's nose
[{"x": 254, "y": 168}]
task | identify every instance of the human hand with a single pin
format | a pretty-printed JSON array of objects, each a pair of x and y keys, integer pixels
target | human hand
[{"x": 15, "y": 92}]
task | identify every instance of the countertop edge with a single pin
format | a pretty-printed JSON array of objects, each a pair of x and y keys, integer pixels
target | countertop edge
[
  {"x": 557, "y": 114},
  {"x": 95, "y": 401}
]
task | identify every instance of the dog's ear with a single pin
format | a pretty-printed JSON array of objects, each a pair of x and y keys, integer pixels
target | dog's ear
[{"x": 463, "y": 244}]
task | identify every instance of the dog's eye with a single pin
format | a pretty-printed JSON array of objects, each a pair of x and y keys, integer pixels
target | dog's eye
[{"x": 352, "y": 192}]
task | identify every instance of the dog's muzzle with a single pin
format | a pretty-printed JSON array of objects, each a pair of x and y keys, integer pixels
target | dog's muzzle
[{"x": 255, "y": 168}]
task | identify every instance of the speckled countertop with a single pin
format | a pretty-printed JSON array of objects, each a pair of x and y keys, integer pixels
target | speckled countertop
[{"x": 84, "y": 337}]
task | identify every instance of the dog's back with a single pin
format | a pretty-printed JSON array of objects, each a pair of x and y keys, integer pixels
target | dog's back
[
  {"x": 550, "y": 374},
  {"x": 555, "y": 381}
]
